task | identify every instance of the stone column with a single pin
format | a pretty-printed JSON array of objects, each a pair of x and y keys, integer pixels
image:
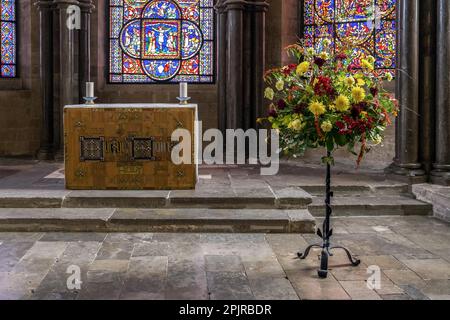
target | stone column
[
  {"x": 46, "y": 78},
  {"x": 241, "y": 33},
  {"x": 222, "y": 57},
  {"x": 427, "y": 91},
  {"x": 441, "y": 172},
  {"x": 85, "y": 45},
  {"x": 235, "y": 48},
  {"x": 68, "y": 76},
  {"x": 406, "y": 160},
  {"x": 259, "y": 55}
]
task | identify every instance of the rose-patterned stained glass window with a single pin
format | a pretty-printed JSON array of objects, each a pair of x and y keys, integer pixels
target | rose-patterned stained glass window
[
  {"x": 155, "y": 41},
  {"x": 8, "y": 30},
  {"x": 367, "y": 27}
]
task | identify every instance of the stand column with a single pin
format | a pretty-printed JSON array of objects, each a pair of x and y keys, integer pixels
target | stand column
[
  {"x": 406, "y": 160},
  {"x": 441, "y": 167},
  {"x": 46, "y": 78}
]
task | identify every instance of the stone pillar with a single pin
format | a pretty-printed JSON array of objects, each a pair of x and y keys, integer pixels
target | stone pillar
[
  {"x": 235, "y": 54},
  {"x": 46, "y": 78},
  {"x": 427, "y": 91},
  {"x": 441, "y": 172},
  {"x": 69, "y": 90},
  {"x": 85, "y": 45},
  {"x": 258, "y": 54},
  {"x": 222, "y": 53},
  {"x": 406, "y": 160},
  {"x": 241, "y": 33}
]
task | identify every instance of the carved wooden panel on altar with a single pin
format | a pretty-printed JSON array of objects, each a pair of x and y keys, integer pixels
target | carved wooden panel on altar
[{"x": 126, "y": 147}]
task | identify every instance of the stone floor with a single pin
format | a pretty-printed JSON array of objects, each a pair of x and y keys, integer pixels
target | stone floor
[{"x": 413, "y": 254}]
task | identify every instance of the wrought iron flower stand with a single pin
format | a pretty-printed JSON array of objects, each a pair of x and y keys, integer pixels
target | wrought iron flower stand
[{"x": 326, "y": 234}]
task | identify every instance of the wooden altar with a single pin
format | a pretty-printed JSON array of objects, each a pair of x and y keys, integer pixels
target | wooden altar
[{"x": 127, "y": 146}]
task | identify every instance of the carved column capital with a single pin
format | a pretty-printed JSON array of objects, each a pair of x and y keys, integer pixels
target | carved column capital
[
  {"x": 234, "y": 5},
  {"x": 43, "y": 4},
  {"x": 86, "y": 6},
  {"x": 62, "y": 4},
  {"x": 248, "y": 5}
]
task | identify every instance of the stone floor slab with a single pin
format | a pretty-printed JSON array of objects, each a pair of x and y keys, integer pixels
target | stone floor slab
[{"x": 429, "y": 269}]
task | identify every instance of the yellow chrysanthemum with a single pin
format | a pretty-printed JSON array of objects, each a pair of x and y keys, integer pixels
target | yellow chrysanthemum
[
  {"x": 367, "y": 65},
  {"x": 310, "y": 51},
  {"x": 279, "y": 85},
  {"x": 358, "y": 94},
  {"x": 269, "y": 93},
  {"x": 302, "y": 68},
  {"x": 371, "y": 59},
  {"x": 324, "y": 55},
  {"x": 360, "y": 82},
  {"x": 342, "y": 103},
  {"x": 389, "y": 77},
  {"x": 296, "y": 125},
  {"x": 326, "y": 126},
  {"x": 317, "y": 108},
  {"x": 349, "y": 81}
]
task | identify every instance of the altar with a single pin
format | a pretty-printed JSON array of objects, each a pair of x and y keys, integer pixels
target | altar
[{"x": 127, "y": 146}]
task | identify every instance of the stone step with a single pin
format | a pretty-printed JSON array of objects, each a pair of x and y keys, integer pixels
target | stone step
[
  {"x": 371, "y": 206},
  {"x": 156, "y": 220},
  {"x": 282, "y": 198},
  {"x": 347, "y": 190}
]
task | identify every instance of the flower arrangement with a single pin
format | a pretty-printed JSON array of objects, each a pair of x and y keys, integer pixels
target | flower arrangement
[{"x": 325, "y": 100}]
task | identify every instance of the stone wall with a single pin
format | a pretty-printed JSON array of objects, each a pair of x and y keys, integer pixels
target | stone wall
[{"x": 19, "y": 98}]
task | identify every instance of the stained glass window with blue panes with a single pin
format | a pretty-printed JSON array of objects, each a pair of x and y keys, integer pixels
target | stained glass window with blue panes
[
  {"x": 367, "y": 27},
  {"x": 8, "y": 30},
  {"x": 154, "y": 41}
]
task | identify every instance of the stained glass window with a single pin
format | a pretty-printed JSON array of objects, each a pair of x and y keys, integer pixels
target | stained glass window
[
  {"x": 161, "y": 41},
  {"x": 367, "y": 27},
  {"x": 8, "y": 31}
]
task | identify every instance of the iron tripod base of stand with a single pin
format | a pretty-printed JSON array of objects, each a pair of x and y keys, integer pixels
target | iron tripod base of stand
[
  {"x": 326, "y": 252},
  {"x": 326, "y": 233}
]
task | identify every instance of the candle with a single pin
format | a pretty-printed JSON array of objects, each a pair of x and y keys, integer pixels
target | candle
[
  {"x": 89, "y": 89},
  {"x": 183, "y": 89}
]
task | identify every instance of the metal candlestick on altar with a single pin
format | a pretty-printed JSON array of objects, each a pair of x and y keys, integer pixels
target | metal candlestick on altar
[{"x": 326, "y": 233}]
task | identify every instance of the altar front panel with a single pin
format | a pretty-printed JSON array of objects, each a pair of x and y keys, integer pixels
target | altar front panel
[{"x": 126, "y": 148}]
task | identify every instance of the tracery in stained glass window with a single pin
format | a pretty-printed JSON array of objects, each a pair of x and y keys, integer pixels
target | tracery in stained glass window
[
  {"x": 161, "y": 41},
  {"x": 367, "y": 27},
  {"x": 8, "y": 30}
]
